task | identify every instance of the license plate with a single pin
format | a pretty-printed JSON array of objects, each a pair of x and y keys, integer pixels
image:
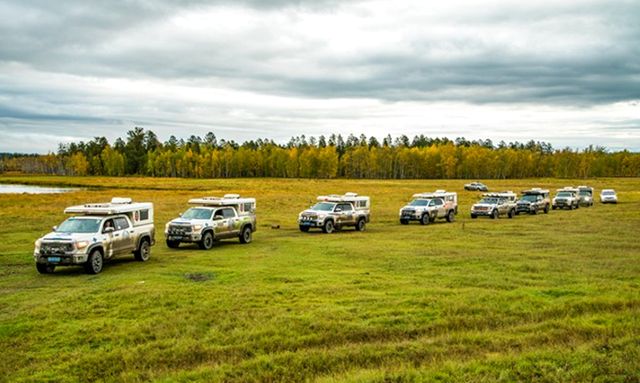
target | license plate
[
  {"x": 305, "y": 223},
  {"x": 53, "y": 259}
]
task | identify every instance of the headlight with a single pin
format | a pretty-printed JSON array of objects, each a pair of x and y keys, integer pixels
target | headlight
[
  {"x": 197, "y": 227},
  {"x": 321, "y": 216},
  {"x": 38, "y": 243},
  {"x": 166, "y": 227},
  {"x": 81, "y": 244}
]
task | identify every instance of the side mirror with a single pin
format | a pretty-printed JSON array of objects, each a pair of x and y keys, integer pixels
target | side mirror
[
  {"x": 108, "y": 230},
  {"x": 180, "y": 214},
  {"x": 55, "y": 228},
  {"x": 218, "y": 218},
  {"x": 338, "y": 210}
]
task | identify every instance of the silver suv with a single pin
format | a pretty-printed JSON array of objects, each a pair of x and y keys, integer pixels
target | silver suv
[
  {"x": 534, "y": 200},
  {"x": 333, "y": 212},
  {"x": 494, "y": 205},
  {"x": 566, "y": 198},
  {"x": 427, "y": 207}
]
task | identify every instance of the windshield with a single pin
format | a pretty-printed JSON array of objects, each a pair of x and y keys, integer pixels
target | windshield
[
  {"x": 530, "y": 197},
  {"x": 564, "y": 194},
  {"x": 585, "y": 192},
  {"x": 608, "y": 192},
  {"x": 197, "y": 213},
  {"x": 489, "y": 201},
  {"x": 323, "y": 206},
  {"x": 79, "y": 225},
  {"x": 419, "y": 202}
]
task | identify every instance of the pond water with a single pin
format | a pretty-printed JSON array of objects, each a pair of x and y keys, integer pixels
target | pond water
[{"x": 30, "y": 189}]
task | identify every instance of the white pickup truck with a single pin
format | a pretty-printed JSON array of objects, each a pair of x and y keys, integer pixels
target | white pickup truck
[
  {"x": 213, "y": 218},
  {"x": 95, "y": 233}
]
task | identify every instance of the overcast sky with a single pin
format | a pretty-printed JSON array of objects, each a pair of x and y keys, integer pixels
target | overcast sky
[{"x": 566, "y": 72}]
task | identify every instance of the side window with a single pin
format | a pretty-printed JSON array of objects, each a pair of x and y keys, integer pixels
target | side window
[
  {"x": 219, "y": 213},
  {"x": 228, "y": 213},
  {"x": 121, "y": 223},
  {"x": 108, "y": 223},
  {"x": 432, "y": 203},
  {"x": 144, "y": 215},
  {"x": 439, "y": 202},
  {"x": 346, "y": 207}
]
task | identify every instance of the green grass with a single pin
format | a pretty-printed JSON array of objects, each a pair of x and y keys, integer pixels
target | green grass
[{"x": 538, "y": 298}]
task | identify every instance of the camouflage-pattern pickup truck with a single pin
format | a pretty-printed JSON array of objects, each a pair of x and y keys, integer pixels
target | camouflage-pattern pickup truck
[
  {"x": 213, "y": 219},
  {"x": 97, "y": 232},
  {"x": 334, "y": 212}
]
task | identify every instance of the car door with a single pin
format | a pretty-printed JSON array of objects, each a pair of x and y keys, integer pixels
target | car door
[
  {"x": 124, "y": 235},
  {"x": 439, "y": 205},
  {"x": 220, "y": 224},
  {"x": 346, "y": 214},
  {"x": 232, "y": 221}
]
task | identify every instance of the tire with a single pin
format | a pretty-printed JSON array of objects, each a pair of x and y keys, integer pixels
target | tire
[
  {"x": 327, "y": 228},
  {"x": 425, "y": 219},
  {"x": 144, "y": 251},
  {"x": 553, "y": 207},
  {"x": 404, "y": 221},
  {"x": 473, "y": 216},
  {"x": 451, "y": 216},
  {"x": 245, "y": 236},
  {"x": 534, "y": 211},
  {"x": 517, "y": 212},
  {"x": 95, "y": 262},
  {"x": 495, "y": 214},
  {"x": 44, "y": 268},
  {"x": 511, "y": 213},
  {"x": 173, "y": 244},
  {"x": 206, "y": 243},
  {"x": 304, "y": 229},
  {"x": 570, "y": 207},
  {"x": 546, "y": 209},
  {"x": 361, "y": 224}
]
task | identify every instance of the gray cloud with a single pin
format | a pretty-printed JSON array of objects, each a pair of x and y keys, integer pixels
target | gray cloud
[{"x": 578, "y": 54}]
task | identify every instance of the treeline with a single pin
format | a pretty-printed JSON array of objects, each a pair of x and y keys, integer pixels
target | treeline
[{"x": 142, "y": 153}]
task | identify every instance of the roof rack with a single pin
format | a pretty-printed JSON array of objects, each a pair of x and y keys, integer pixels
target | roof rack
[
  {"x": 437, "y": 193},
  {"x": 226, "y": 200},
  {"x": 536, "y": 191},
  {"x": 116, "y": 206},
  {"x": 347, "y": 197}
]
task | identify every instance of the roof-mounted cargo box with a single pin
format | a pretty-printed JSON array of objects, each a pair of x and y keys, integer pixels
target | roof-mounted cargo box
[
  {"x": 242, "y": 205},
  {"x": 359, "y": 202},
  {"x": 139, "y": 212}
]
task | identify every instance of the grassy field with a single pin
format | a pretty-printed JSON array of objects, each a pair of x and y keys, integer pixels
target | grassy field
[{"x": 537, "y": 298}]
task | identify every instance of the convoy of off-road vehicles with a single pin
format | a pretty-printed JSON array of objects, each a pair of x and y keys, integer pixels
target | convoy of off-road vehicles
[{"x": 97, "y": 232}]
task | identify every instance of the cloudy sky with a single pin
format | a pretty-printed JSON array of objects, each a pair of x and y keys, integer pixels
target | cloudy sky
[{"x": 566, "y": 72}]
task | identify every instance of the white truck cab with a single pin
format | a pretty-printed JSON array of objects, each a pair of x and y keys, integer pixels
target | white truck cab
[
  {"x": 212, "y": 219},
  {"x": 97, "y": 232},
  {"x": 427, "y": 207},
  {"x": 566, "y": 197}
]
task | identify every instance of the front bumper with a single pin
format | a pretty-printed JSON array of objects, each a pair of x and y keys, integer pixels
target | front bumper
[
  {"x": 63, "y": 259},
  {"x": 310, "y": 222},
  {"x": 563, "y": 204},
  {"x": 480, "y": 213},
  {"x": 525, "y": 208},
  {"x": 183, "y": 237}
]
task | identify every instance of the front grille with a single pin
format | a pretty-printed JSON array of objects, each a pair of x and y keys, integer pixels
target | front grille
[
  {"x": 408, "y": 212},
  {"x": 56, "y": 248},
  {"x": 481, "y": 208},
  {"x": 179, "y": 230}
]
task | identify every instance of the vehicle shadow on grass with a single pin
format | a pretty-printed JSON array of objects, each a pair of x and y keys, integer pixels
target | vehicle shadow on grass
[{"x": 110, "y": 264}]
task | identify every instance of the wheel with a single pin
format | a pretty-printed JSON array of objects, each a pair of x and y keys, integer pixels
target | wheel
[
  {"x": 511, "y": 213},
  {"x": 245, "y": 236},
  {"x": 494, "y": 214},
  {"x": 44, "y": 268},
  {"x": 144, "y": 251},
  {"x": 328, "y": 227},
  {"x": 546, "y": 209},
  {"x": 94, "y": 263},
  {"x": 361, "y": 224},
  {"x": 517, "y": 212},
  {"x": 425, "y": 219},
  {"x": 570, "y": 207},
  {"x": 206, "y": 243},
  {"x": 473, "y": 216},
  {"x": 451, "y": 216},
  {"x": 534, "y": 211},
  {"x": 578, "y": 205},
  {"x": 553, "y": 207},
  {"x": 173, "y": 244},
  {"x": 404, "y": 221},
  {"x": 304, "y": 229}
]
